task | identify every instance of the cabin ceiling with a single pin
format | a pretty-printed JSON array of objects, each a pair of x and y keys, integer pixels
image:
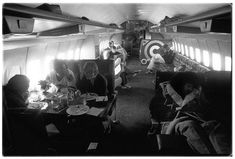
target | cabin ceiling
[
  {"x": 95, "y": 18},
  {"x": 120, "y": 12}
]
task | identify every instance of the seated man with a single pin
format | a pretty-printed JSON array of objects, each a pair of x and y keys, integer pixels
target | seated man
[
  {"x": 27, "y": 130},
  {"x": 92, "y": 81},
  {"x": 61, "y": 76},
  {"x": 166, "y": 56},
  {"x": 190, "y": 111},
  {"x": 16, "y": 91}
]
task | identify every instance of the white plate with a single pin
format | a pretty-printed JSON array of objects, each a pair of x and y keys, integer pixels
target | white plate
[
  {"x": 77, "y": 109},
  {"x": 89, "y": 96}
]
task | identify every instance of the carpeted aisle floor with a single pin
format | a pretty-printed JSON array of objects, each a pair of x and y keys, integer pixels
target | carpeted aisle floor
[
  {"x": 129, "y": 136},
  {"x": 133, "y": 103}
]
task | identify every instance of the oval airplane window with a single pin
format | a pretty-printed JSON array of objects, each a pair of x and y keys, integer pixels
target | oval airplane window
[
  {"x": 176, "y": 48},
  {"x": 198, "y": 55},
  {"x": 206, "y": 58},
  {"x": 182, "y": 49},
  {"x": 61, "y": 56},
  {"x": 216, "y": 61},
  {"x": 76, "y": 54},
  {"x": 70, "y": 55},
  {"x": 228, "y": 63},
  {"x": 179, "y": 50},
  {"x": 191, "y": 52},
  {"x": 186, "y": 50},
  {"x": 173, "y": 46}
]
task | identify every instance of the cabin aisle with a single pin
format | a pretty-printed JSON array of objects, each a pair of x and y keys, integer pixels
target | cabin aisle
[
  {"x": 133, "y": 103},
  {"x": 129, "y": 137}
]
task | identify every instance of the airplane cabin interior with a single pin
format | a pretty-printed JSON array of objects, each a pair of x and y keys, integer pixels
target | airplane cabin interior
[{"x": 117, "y": 79}]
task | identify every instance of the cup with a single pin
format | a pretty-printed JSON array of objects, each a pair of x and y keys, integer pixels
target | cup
[
  {"x": 81, "y": 100},
  {"x": 84, "y": 101},
  {"x": 64, "y": 101}
]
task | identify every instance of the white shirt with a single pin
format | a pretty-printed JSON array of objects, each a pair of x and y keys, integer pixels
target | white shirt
[{"x": 64, "y": 81}]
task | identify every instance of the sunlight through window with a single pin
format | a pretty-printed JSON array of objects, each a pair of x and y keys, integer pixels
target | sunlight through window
[
  {"x": 186, "y": 50},
  {"x": 34, "y": 73},
  {"x": 70, "y": 55},
  {"x": 176, "y": 48},
  {"x": 216, "y": 61},
  {"x": 61, "y": 56},
  {"x": 198, "y": 55},
  {"x": 191, "y": 52},
  {"x": 179, "y": 50},
  {"x": 76, "y": 54},
  {"x": 48, "y": 65},
  {"x": 182, "y": 49},
  {"x": 206, "y": 58},
  {"x": 173, "y": 46},
  {"x": 228, "y": 63}
]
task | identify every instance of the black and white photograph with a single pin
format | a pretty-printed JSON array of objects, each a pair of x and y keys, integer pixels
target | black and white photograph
[{"x": 117, "y": 79}]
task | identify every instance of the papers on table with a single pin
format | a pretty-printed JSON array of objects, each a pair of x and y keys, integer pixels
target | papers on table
[
  {"x": 92, "y": 146},
  {"x": 95, "y": 111},
  {"x": 101, "y": 98}
]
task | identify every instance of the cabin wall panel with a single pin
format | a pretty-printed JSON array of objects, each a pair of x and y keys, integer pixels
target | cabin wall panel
[
  {"x": 188, "y": 44},
  {"x": 202, "y": 44},
  {"x": 225, "y": 48},
  {"x": 213, "y": 43},
  {"x": 181, "y": 41},
  {"x": 71, "y": 49},
  {"x": 36, "y": 52},
  {"x": 13, "y": 60},
  {"x": 213, "y": 47},
  {"x": 88, "y": 48},
  {"x": 77, "y": 49},
  {"x": 52, "y": 49},
  {"x": 63, "y": 49}
]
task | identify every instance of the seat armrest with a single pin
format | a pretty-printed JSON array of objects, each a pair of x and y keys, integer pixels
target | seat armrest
[
  {"x": 172, "y": 143},
  {"x": 110, "y": 105},
  {"x": 16, "y": 110}
]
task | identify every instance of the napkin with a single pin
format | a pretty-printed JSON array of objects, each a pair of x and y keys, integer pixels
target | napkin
[{"x": 95, "y": 111}]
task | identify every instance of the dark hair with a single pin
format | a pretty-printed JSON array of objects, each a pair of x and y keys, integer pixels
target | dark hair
[
  {"x": 19, "y": 82},
  {"x": 181, "y": 78}
]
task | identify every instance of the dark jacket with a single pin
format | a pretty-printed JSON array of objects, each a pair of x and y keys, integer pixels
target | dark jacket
[
  {"x": 99, "y": 87},
  {"x": 13, "y": 98}
]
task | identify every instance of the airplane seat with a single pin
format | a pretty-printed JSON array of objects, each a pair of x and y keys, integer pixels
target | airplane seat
[
  {"x": 23, "y": 133},
  {"x": 190, "y": 64},
  {"x": 8, "y": 143},
  {"x": 216, "y": 86},
  {"x": 106, "y": 68},
  {"x": 218, "y": 91}
]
